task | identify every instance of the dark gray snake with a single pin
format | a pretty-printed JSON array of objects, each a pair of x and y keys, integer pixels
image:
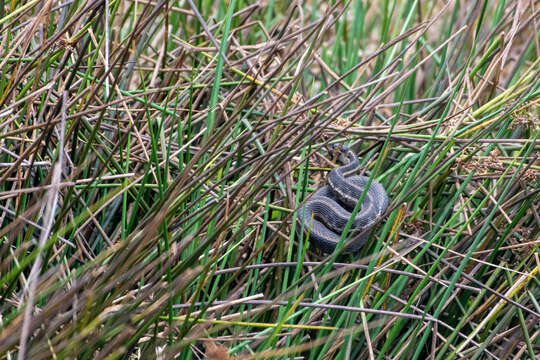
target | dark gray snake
[{"x": 326, "y": 212}]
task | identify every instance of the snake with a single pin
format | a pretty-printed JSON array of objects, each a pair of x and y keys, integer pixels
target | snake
[{"x": 325, "y": 214}]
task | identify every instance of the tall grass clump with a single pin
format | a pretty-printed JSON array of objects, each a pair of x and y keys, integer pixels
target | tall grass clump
[{"x": 153, "y": 154}]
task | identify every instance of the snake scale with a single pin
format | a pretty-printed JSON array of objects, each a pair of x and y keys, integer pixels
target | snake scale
[{"x": 325, "y": 214}]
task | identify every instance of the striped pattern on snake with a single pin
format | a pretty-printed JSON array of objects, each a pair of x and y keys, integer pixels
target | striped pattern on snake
[{"x": 325, "y": 214}]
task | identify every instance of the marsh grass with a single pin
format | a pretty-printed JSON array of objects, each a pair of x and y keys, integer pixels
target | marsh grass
[{"x": 153, "y": 154}]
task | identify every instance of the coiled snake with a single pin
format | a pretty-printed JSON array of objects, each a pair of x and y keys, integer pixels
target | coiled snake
[{"x": 326, "y": 212}]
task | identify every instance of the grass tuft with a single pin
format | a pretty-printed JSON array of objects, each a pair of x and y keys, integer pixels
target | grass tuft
[{"x": 153, "y": 155}]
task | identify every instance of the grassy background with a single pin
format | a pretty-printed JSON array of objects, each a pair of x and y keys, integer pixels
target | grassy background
[{"x": 153, "y": 154}]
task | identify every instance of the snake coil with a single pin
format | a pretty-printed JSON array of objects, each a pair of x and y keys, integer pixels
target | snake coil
[{"x": 325, "y": 214}]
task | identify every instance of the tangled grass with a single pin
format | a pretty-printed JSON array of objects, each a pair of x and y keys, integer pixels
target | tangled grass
[{"x": 153, "y": 154}]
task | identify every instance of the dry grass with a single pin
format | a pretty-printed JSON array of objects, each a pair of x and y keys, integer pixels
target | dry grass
[{"x": 153, "y": 154}]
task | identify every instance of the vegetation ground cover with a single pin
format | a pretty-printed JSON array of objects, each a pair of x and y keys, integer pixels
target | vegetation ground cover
[{"x": 153, "y": 155}]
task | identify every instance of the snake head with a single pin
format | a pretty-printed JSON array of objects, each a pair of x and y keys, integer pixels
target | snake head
[{"x": 341, "y": 152}]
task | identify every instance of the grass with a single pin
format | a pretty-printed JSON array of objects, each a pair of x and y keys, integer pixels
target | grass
[{"x": 153, "y": 154}]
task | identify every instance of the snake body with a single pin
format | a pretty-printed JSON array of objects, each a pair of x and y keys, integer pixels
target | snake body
[{"x": 326, "y": 213}]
